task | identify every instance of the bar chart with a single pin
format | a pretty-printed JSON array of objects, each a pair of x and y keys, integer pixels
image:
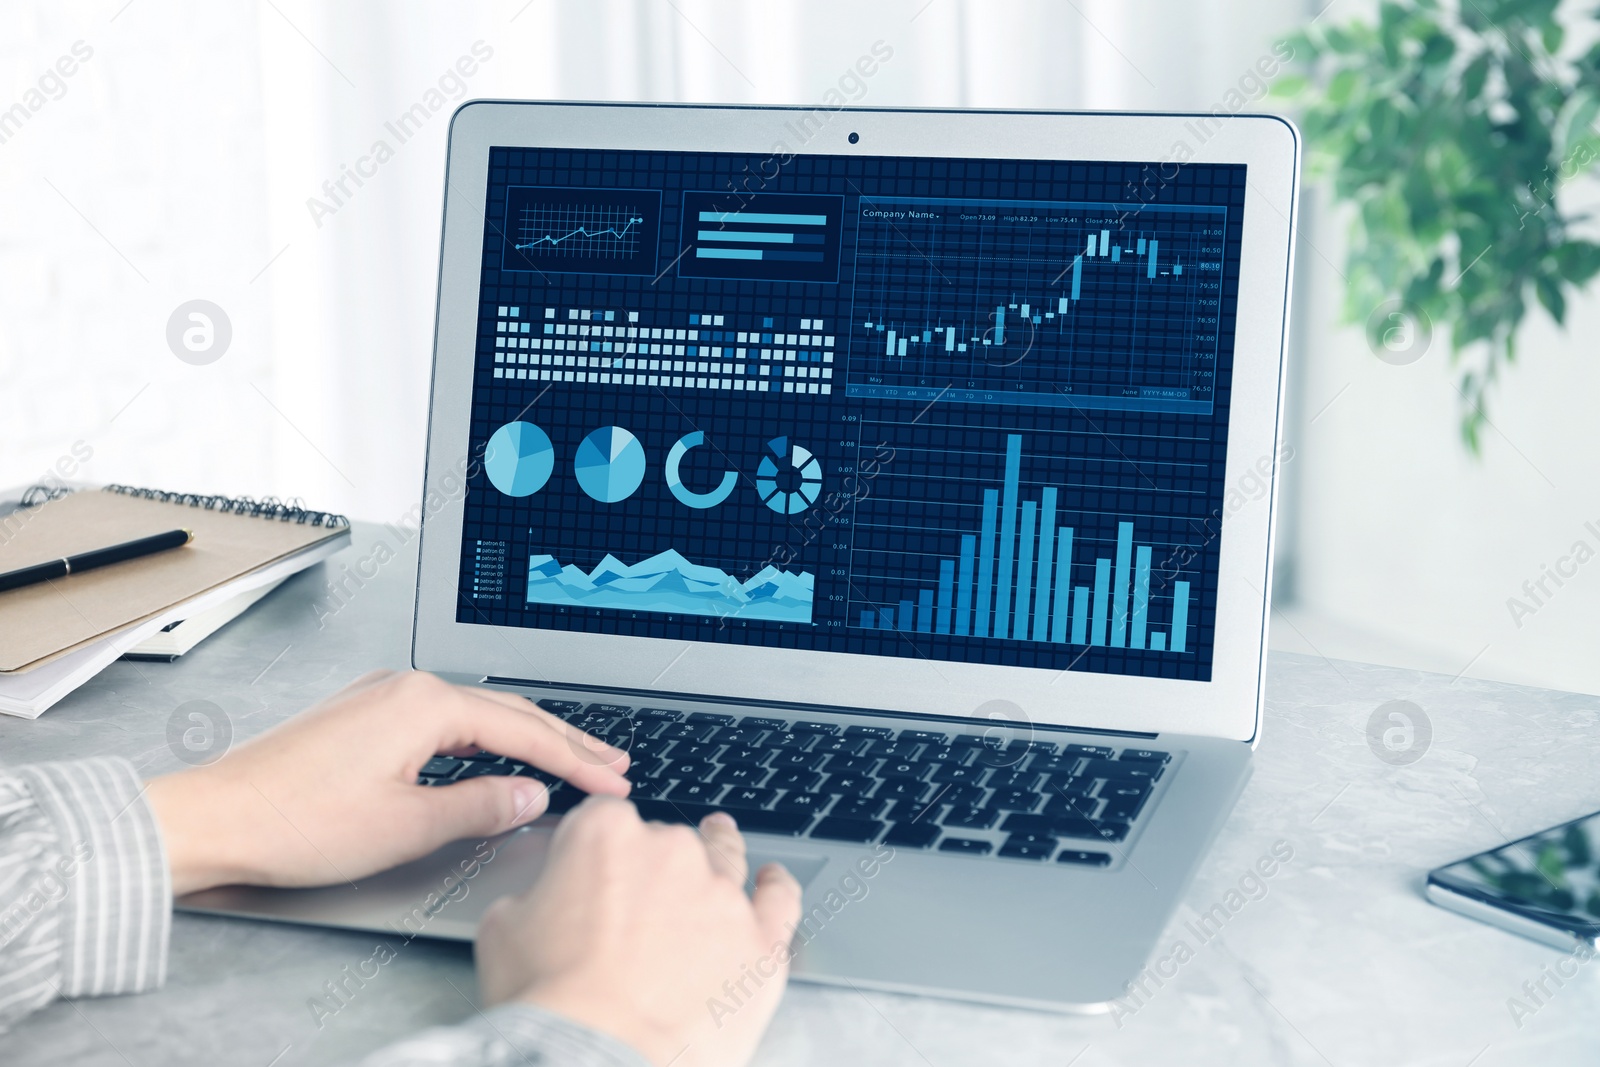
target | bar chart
[
  {"x": 1028, "y": 573},
  {"x": 761, "y": 236},
  {"x": 1040, "y": 304}
]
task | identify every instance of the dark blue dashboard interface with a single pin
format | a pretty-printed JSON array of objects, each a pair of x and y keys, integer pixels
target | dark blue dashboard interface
[{"x": 940, "y": 409}]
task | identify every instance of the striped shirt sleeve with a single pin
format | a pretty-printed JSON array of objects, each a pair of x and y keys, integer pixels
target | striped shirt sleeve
[
  {"x": 512, "y": 1035},
  {"x": 85, "y": 893}
]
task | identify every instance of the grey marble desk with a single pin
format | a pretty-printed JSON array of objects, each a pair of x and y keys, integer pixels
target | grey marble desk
[{"x": 1340, "y": 963}]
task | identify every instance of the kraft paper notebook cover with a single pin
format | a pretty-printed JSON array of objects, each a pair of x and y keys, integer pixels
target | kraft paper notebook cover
[{"x": 39, "y": 623}]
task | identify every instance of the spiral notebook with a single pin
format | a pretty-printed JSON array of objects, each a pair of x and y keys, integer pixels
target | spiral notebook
[{"x": 57, "y": 634}]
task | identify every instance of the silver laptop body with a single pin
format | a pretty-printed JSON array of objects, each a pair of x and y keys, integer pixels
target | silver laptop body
[{"x": 884, "y": 425}]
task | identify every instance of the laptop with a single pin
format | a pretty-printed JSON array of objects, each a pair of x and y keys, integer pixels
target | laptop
[{"x": 899, "y": 481}]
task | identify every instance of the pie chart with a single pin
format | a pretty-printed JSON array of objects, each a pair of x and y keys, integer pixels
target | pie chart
[
  {"x": 519, "y": 459},
  {"x": 789, "y": 478},
  {"x": 609, "y": 464}
]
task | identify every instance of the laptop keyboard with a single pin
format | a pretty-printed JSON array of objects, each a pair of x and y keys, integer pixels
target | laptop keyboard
[{"x": 1028, "y": 800}]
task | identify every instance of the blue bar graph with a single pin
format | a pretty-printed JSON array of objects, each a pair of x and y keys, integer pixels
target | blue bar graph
[
  {"x": 980, "y": 622},
  {"x": 769, "y": 237},
  {"x": 969, "y": 547},
  {"x": 1119, "y": 598},
  {"x": 1041, "y": 596},
  {"x": 1013, "y": 579},
  {"x": 1080, "y": 615},
  {"x": 728, "y": 253},
  {"x": 1150, "y": 262},
  {"x": 1058, "y": 628},
  {"x": 947, "y": 580},
  {"x": 768, "y": 217},
  {"x": 1077, "y": 276},
  {"x": 1000, "y": 325},
  {"x": 1180, "y": 616},
  {"x": 1008, "y": 536},
  {"x": 1102, "y": 594},
  {"x": 1025, "y": 543},
  {"x": 1105, "y": 242},
  {"x": 1141, "y": 596},
  {"x": 1116, "y": 253}
]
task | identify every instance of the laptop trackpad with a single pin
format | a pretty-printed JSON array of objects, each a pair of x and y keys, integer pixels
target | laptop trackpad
[{"x": 804, "y": 868}]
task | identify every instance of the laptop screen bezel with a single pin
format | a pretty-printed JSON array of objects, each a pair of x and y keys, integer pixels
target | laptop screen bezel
[{"x": 1228, "y": 706}]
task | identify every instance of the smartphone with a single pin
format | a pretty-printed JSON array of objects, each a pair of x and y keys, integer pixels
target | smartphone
[{"x": 1545, "y": 886}]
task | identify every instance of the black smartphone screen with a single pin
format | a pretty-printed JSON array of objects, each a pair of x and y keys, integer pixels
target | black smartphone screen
[{"x": 1552, "y": 876}]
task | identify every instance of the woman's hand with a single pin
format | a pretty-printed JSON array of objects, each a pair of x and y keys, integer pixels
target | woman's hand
[
  {"x": 332, "y": 794},
  {"x": 644, "y": 931}
]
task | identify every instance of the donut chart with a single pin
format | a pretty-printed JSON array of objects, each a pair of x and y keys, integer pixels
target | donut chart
[
  {"x": 789, "y": 478},
  {"x": 686, "y": 496}
]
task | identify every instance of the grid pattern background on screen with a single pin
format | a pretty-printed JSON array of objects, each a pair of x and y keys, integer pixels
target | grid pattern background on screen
[{"x": 705, "y": 486}]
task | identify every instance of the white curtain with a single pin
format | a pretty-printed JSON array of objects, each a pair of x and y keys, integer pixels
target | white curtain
[{"x": 187, "y": 159}]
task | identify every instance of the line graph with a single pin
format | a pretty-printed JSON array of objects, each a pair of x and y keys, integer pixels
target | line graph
[{"x": 588, "y": 231}]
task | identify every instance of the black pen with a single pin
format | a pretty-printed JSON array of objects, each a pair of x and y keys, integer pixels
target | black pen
[{"x": 95, "y": 557}]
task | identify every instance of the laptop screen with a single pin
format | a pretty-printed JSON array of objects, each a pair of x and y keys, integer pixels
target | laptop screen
[{"x": 940, "y": 409}]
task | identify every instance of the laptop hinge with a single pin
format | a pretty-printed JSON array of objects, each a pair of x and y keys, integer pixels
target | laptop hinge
[{"x": 801, "y": 706}]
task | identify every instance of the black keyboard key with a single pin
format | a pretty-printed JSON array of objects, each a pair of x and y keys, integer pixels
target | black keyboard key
[
  {"x": 1072, "y": 826},
  {"x": 839, "y": 829},
  {"x": 903, "y": 789},
  {"x": 560, "y": 707},
  {"x": 789, "y": 739},
  {"x": 748, "y": 797},
  {"x": 1014, "y": 800},
  {"x": 970, "y": 845},
  {"x": 688, "y": 770},
  {"x": 797, "y": 802},
  {"x": 1091, "y": 751},
  {"x": 482, "y": 770},
  {"x": 926, "y": 737},
  {"x": 741, "y": 774},
  {"x": 699, "y": 792},
  {"x": 1033, "y": 748},
  {"x": 610, "y": 709},
  {"x": 857, "y": 807},
  {"x": 789, "y": 759},
  {"x": 442, "y": 766},
  {"x": 1123, "y": 801},
  {"x": 715, "y": 718},
  {"x": 971, "y": 818},
  {"x": 911, "y": 834},
  {"x": 815, "y": 728},
  {"x": 740, "y": 735},
  {"x": 749, "y": 820},
  {"x": 840, "y": 746},
  {"x": 697, "y": 750},
  {"x": 765, "y": 723},
  {"x": 968, "y": 741},
  {"x": 848, "y": 785},
  {"x": 851, "y": 764},
  {"x": 794, "y": 779},
  {"x": 1000, "y": 758},
  {"x": 745, "y": 754},
  {"x": 1075, "y": 807},
  {"x": 645, "y": 788},
  {"x": 662, "y": 714},
  {"x": 689, "y": 731},
  {"x": 1112, "y": 769},
  {"x": 1144, "y": 755},
  {"x": 1054, "y": 764},
  {"x": 564, "y": 798},
  {"x": 915, "y": 811},
  {"x": 1028, "y": 848},
  {"x": 947, "y": 754},
  {"x": 1062, "y": 785},
  {"x": 1111, "y": 829},
  {"x": 649, "y": 748},
  {"x": 895, "y": 750},
  {"x": 882, "y": 733},
  {"x": 907, "y": 769},
  {"x": 1013, "y": 780},
  {"x": 958, "y": 795},
  {"x": 1020, "y": 823},
  {"x": 959, "y": 775},
  {"x": 1086, "y": 859}
]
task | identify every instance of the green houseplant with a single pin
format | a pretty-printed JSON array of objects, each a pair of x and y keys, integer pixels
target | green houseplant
[{"x": 1451, "y": 131}]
